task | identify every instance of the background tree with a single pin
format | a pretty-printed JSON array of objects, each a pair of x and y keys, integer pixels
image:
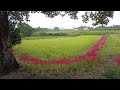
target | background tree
[
  {"x": 25, "y": 30},
  {"x": 56, "y": 28},
  {"x": 10, "y": 19}
]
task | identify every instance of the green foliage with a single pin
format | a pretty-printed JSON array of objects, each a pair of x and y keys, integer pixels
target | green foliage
[
  {"x": 99, "y": 17},
  {"x": 25, "y": 30},
  {"x": 15, "y": 37},
  {"x": 51, "y": 14},
  {"x": 15, "y": 34}
]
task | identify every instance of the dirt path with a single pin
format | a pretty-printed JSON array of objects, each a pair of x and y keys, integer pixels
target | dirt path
[{"x": 18, "y": 74}]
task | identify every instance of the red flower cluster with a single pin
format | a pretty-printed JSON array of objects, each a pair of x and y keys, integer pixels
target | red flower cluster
[
  {"x": 32, "y": 59},
  {"x": 90, "y": 55},
  {"x": 117, "y": 60}
]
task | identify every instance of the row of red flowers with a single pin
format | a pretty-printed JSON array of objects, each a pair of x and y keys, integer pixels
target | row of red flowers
[{"x": 90, "y": 55}]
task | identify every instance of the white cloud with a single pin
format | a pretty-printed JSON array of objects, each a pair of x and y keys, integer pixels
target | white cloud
[{"x": 41, "y": 20}]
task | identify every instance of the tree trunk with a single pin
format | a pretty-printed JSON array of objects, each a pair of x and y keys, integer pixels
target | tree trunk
[{"x": 8, "y": 62}]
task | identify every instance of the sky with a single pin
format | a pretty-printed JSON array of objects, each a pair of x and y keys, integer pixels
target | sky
[{"x": 39, "y": 19}]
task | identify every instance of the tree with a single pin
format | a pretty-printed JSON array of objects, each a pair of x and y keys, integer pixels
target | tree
[
  {"x": 25, "y": 30},
  {"x": 8, "y": 19},
  {"x": 56, "y": 28}
]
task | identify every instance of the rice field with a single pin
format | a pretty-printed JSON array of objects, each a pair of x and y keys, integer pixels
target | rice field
[{"x": 56, "y": 48}]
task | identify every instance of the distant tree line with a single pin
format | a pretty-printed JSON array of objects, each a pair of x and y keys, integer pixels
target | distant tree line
[
  {"x": 115, "y": 27},
  {"x": 26, "y": 30},
  {"x": 83, "y": 27},
  {"x": 108, "y": 27}
]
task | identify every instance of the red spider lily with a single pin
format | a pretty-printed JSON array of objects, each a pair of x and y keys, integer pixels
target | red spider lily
[
  {"x": 24, "y": 58},
  {"x": 87, "y": 61},
  {"x": 117, "y": 60},
  {"x": 35, "y": 60},
  {"x": 43, "y": 61},
  {"x": 78, "y": 58},
  {"x": 90, "y": 55},
  {"x": 93, "y": 58},
  {"x": 60, "y": 61}
]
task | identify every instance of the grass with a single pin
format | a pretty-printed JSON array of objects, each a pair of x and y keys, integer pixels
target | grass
[
  {"x": 112, "y": 51},
  {"x": 113, "y": 48},
  {"x": 56, "y": 48}
]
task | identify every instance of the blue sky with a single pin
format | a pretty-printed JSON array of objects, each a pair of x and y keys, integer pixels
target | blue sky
[{"x": 65, "y": 22}]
